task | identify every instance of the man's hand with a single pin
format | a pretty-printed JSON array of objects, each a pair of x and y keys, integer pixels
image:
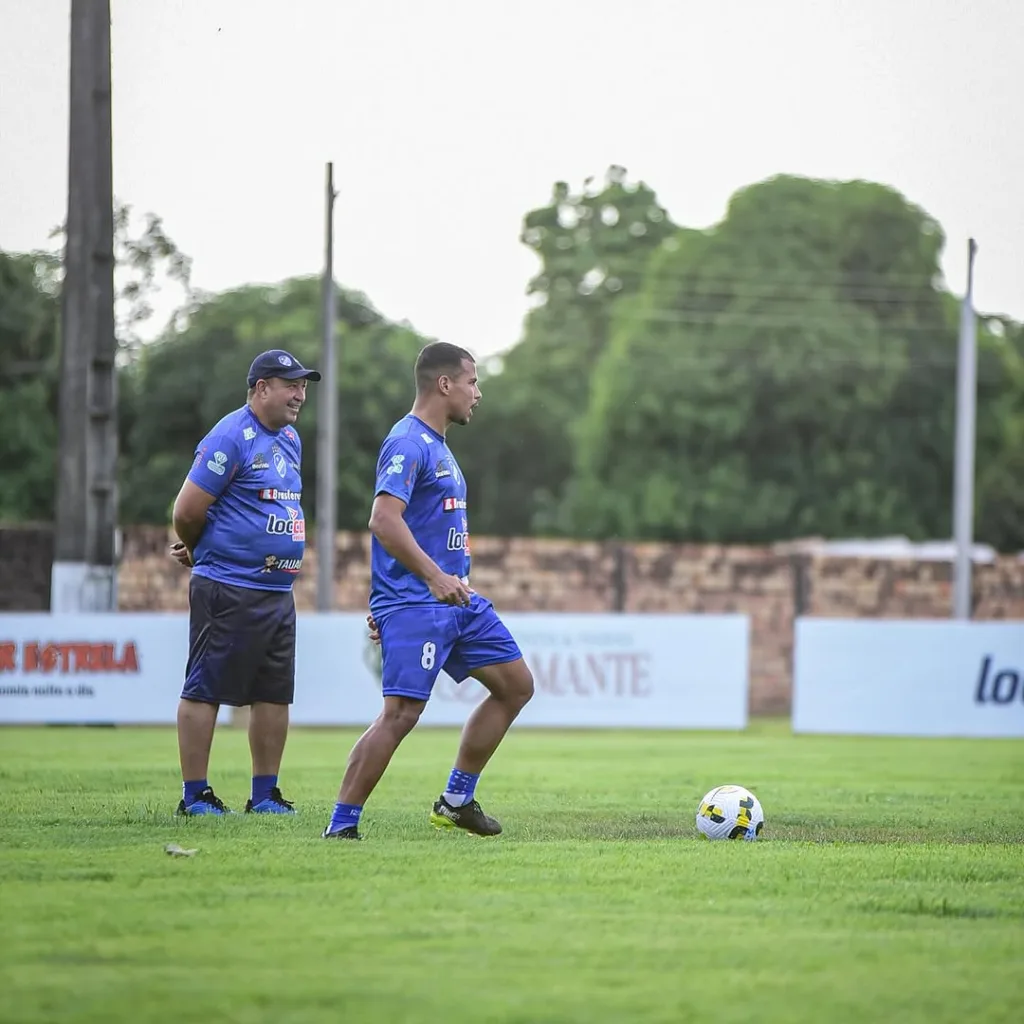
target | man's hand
[
  {"x": 373, "y": 628},
  {"x": 180, "y": 554},
  {"x": 449, "y": 589}
]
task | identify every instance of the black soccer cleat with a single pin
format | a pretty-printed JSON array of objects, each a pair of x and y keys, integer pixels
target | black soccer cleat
[
  {"x": 349, "y": 832},
  {"x": 274, "y": 804},
  {"x": 206, "y": 802},
  {"x": 468, "y": 817}
]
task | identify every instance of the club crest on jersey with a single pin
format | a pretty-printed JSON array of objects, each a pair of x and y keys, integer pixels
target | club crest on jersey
[
  {"x": 280, "y": 462},
  {"x": 453, "y": 505},
  {"x": 294, "y": 526}
]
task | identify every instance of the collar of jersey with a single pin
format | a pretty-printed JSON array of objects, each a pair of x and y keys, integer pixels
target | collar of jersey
[
  {"x": 259, "y": 426},
  {"x": 427, "y": 426}
]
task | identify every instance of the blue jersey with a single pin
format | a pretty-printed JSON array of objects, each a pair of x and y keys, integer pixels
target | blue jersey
[
  {"x": 417, "y": 466},
  {"x": 255, "y": 532}
]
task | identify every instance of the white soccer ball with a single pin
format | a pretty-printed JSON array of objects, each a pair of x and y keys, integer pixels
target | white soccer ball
[{"x": 730, "y": 812}]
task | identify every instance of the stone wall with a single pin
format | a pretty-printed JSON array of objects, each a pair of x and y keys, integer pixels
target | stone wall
[{"x": 771, "y": 584}]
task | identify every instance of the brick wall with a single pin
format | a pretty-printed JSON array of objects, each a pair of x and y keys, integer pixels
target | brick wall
[
  {"x": 771, "y": 585},
  {"x": 26, "y": 558}
]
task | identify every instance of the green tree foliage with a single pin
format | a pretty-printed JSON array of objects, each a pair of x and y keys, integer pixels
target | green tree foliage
[
  {"x": 593, "y": 246},
  {"x": 789, "y": 372},
  {"x": 183, "y": 384},
  {"x": 29, "y": 322},
  {"x": 999, "y": 517}
]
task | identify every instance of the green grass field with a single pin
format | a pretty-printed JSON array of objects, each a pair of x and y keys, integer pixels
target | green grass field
[{"x": 888, "y": 884}]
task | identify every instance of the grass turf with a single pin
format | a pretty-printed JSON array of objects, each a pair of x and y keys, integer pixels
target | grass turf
[{"x": 888, "y": 884}]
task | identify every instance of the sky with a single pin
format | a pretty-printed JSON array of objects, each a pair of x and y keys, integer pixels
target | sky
[{"x": 447, "y": 121}]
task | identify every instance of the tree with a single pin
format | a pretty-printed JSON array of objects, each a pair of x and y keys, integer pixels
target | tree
[
  {"x": 999, "y": 504},
  {"x": 29, "y": 324},
  {"x": 146, "y": 259},
  {"x": 788, "y": 372},
  {"x": 192, "y": 377},
  {"x": 593, "y": 247},
  {"x": 30, "y": 296}
]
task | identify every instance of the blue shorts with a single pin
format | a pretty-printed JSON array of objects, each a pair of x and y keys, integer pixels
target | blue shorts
[
  {"x": 241, "y": 644},
  {"x": 417, "y": 642}
]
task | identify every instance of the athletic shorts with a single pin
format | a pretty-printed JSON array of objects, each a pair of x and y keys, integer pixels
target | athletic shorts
[
  {"x": 241, "y": 644},
  {"x": 417, "y": 642}
]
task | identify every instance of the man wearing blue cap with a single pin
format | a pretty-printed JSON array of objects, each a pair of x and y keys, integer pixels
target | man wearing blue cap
[{"x": 240, "y": 525}]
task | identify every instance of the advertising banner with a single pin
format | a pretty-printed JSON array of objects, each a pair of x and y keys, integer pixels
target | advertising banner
[
  {"x": 922, "y": 677},
  {"x": 590, "y": 670},
  {"x": 604, "y": 671}
]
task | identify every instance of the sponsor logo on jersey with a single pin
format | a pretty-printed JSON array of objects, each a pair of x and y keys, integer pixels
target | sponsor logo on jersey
[
  {"x": 248, "y": 433},
  {"x": 454, "y": 504},
  {"x": 260, "y": 461},
  {"x": 441, "y": 470},
  {"x": 218, "y": 463},
  {"x": 458, "y": 540},
  {"x": 274, "y": 564},
  {"x": 273, "y": 494},
  {"x": 294, "y": 526}
]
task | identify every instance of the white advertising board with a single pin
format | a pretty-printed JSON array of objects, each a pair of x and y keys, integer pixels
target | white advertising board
[
  {"x": 92, "y": 668},
  {"x": 644, "y": 671},
  {"x": 599, "y": 671},
  {"x": 923, "y": 677}
]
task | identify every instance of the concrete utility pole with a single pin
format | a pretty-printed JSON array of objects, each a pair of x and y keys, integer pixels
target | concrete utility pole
[
  {"x": 327, "y": 423},
  {"x": 84, "y": 576},
  {"x": 966, "y": 414}
]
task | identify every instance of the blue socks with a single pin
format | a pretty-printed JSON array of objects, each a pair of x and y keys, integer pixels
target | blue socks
[
  {"x": 190, "y": 790},
  {"x": 261, "y": 787},
  {"x": 461, "y": 787},
  {"x": 344, "y": 816}
]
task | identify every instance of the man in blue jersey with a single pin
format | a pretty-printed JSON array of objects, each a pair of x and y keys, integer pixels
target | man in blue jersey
[
  {"x": 421, "y": 603},
  {"x": 241, "y": 528}
]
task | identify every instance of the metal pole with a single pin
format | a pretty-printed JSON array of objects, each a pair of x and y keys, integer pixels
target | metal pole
[
  {"x": 327, "y": 424},
  {"x": 84, "y": 576},
  {"x": 963, "y": 481}
]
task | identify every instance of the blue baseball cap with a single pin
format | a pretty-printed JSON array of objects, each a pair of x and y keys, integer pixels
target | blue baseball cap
[{"x": 278, "y": 363}]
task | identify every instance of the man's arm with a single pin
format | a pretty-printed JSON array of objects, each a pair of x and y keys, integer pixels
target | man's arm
[
  {"x": 216, "y": 462},
  {"x": 390, "y": 528},
  {"x": 189, "y": 515}
]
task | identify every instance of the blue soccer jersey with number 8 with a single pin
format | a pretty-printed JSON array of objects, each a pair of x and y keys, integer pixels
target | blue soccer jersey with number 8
[{"x": 416, "y": 465}]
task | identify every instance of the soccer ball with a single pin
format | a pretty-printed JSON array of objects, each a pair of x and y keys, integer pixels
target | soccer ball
[{"x": 730, "y": 812}]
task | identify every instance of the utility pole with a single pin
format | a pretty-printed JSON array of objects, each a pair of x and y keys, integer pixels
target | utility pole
[
  {"x": 84, "y": 576},
  {"x": 963, "y": 479},
  {"x": 327, "y": 424}
]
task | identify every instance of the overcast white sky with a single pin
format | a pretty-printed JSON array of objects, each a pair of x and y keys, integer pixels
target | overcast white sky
[{"x": 447, "y": 121}]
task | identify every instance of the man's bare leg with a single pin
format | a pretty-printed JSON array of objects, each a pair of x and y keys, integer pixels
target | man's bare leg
[
  {"x": 196, "y": 722},
  {"x": 369, "y": 759},
  {"x": 510, "y": 687},
  {"x": 268, "y": 732}
]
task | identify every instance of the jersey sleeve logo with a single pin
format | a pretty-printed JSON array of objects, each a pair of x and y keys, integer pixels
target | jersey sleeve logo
[
  {"x": 397, "y": 465},
  {"x": 218, "y": 463}
]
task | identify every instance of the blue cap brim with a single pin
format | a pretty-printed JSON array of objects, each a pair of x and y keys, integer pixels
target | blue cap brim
[{"x": 298, "y": 374}]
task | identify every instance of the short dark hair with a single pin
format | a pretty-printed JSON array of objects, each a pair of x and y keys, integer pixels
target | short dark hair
[{"x": 437, "y": 358}]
